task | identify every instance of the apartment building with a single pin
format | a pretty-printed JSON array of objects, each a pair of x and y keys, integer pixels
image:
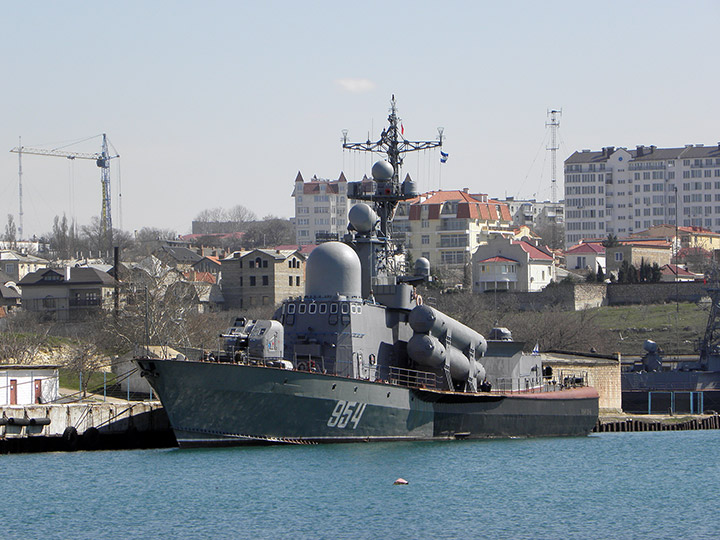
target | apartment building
[
  {"x": 535, "y": 214},
  {"x": 621, "y": 191},
  {"x": 446, "y": 227},
  {"x": 321, "y": 209}
]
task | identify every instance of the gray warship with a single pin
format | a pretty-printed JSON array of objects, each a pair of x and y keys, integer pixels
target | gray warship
[
  {"x": 692, "y": 385},
  {"x": 360, "y": 357}
]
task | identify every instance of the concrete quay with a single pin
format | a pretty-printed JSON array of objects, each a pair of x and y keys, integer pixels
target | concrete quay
[
  {"x": 644, "y": 422},
  {"x": 84, "y": 426}
]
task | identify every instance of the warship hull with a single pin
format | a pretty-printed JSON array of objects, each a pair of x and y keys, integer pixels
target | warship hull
[
  {"x": 691, "y": 391},
  {"x": 226, "y": 404}
]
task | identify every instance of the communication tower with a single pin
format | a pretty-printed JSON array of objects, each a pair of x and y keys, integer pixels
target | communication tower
[{"x": 553, "y": 124}]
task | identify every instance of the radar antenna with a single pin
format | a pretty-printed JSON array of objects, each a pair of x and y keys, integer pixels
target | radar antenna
[{"x": 392, "y": 143}]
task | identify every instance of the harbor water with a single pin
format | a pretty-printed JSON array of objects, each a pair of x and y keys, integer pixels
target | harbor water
[{"x": 648, "y": 485}]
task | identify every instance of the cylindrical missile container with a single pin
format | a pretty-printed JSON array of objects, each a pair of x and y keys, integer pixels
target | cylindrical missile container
[
  {"x": 426, "y": 320},
  {"x": 427, "y": 350}
]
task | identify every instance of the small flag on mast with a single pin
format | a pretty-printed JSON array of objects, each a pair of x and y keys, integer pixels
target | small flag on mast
[
  {"x": 443, "y": 156},
  {"x": 536, "y": 349}
]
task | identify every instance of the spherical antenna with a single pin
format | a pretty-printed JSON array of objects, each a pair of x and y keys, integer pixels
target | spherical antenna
[
  {"x": 382, "y": 171},
  {"x": 362, "y": 218}
]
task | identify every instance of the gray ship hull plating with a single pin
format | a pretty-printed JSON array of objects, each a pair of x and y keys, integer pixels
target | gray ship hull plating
[{"x": 216, "y": 404}]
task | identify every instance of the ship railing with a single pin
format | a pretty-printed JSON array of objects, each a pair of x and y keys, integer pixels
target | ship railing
[
  {"x": 534, "y": 385},
  {"x": 412, "y": 378}
]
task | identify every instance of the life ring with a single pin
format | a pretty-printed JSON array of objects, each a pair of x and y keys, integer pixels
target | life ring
[
  {"x": 371, "y": 358},
  {"x": 419, "y": 300},
  {"x": 302, "y": 367}
]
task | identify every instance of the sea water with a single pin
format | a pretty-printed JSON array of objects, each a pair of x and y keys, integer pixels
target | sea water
[{"x": 613, "y": 485}]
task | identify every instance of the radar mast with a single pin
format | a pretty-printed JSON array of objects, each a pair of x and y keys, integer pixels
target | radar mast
[{"x": 393, "y": 144}]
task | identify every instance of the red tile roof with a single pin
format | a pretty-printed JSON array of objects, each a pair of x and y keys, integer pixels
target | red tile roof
[
  {"x": 646, "y": 243},
  {"x": 206, "y": 277},
  {"x": 497, "y": 259},
  {"x": 468, "y": 207},
  {"x": 588, "y": 247},
  {"x": 673, "y": 269},
  {"x": 533, "y": 251}
]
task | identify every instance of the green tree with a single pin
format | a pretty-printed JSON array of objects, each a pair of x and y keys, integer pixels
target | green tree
[{"x": 611, "y": 241}]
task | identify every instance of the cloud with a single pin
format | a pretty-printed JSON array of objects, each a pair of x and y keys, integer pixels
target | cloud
[{"x": 356, "y": 86}]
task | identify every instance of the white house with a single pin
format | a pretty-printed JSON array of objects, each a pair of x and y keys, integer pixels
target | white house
[
  {"x": 586, "y": 256},
  {"x": 511, "y": 265},
  {"x": 28, "y": 384}
]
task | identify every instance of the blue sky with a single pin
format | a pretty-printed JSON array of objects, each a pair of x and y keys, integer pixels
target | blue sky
[{"x": 214, "y": 104}]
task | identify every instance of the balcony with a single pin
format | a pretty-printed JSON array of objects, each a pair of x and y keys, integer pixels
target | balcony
[{"x": 85, "y": 302}]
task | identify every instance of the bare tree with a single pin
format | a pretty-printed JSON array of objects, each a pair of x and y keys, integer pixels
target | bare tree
[
  {"x": 271, "y": 231},
  {"x": 22, "y": 338},
  {"x": 10, "y": 231},
  {"x": 212, "y": 214},
  {"x": 240, "y": 214},
  {"x": 83, "y": 358}
]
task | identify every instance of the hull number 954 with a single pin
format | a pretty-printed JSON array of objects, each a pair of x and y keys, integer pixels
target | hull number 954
[{"x": 346, "y": 412}]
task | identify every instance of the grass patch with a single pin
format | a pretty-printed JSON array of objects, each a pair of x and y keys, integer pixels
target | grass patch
[
  {"x": 71, "y": 380},
  {"x": 676, "y": 328}
]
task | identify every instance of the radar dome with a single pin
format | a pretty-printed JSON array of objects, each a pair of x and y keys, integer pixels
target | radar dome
[
  {"x": 362, "y": 218},
  {"x": 382, "y": 171},
  {"x": 422, "y": 267},
  {"x": 333, "y": 269}
]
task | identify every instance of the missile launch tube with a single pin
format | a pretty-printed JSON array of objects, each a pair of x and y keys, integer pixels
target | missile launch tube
[
  {"x": 424, "y": 319},
  {"x": 427, "y": 350}
]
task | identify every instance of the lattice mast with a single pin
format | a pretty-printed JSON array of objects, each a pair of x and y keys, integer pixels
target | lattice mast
[
  {"x": 393, "y": 144},
  {"x": 553, "y": 124},
  {"x": 20, "y": 206}
]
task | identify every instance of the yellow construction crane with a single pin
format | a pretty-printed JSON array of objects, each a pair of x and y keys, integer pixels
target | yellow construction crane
[{"x": 102, "y": 160}]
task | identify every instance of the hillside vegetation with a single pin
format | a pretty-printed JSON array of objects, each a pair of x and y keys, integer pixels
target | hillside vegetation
[{"x": 606, "y": 330}]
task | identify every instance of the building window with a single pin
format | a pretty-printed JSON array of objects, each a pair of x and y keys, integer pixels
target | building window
[
  {"x": 265, "y": 280},
  {"x": 425, "y": 239},
  {"x": 252, "y": 281},
  {"x": 618, "y": 256},
  {"x": 297, "y": 281},
  {"x": 290, "y": 280}
]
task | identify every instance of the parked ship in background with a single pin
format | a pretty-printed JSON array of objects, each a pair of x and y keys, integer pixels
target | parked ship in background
[
  {"x": 655, "y": 385},
  {"x": 359, "y": 357}
]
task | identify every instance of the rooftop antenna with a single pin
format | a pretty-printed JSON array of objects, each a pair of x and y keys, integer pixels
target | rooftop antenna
[{"x": 553, "y": 124}]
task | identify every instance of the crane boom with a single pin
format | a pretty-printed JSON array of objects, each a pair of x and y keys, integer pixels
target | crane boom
[{"x": 102, "y": 160}]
